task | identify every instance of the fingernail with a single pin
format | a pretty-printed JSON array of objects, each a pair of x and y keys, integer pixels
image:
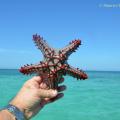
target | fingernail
[{"x": 55, "y": 92}]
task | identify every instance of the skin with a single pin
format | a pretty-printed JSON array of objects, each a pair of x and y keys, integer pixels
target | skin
[{"x": 32, "y": 97}]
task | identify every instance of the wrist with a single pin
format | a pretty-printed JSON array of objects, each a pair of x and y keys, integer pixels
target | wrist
[
  {"x": 11, "y": 112},
  {"x": 21, "y": 108},
  {"x": 18, "y": 105}
]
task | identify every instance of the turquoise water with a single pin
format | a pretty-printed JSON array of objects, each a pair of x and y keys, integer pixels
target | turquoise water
[{"x": 97, "y": 98}]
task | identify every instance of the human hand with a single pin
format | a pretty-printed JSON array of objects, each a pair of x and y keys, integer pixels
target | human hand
[{"x": 34, "y": 95}]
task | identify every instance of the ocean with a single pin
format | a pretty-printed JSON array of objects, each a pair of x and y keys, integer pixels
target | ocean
[{"x": 97, "y": 98}]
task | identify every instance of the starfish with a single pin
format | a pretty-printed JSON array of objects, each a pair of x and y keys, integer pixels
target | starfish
[{"x": 54, "y": 65}]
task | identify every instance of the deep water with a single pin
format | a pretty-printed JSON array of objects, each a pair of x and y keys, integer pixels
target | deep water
[{"x": 97, "y": 98}]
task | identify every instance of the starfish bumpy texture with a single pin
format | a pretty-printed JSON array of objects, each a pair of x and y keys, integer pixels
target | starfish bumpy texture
[{"x": 54, "y": 65}]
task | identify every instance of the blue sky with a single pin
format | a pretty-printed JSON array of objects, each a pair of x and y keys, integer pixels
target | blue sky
[{"x": 95, "y": 22}]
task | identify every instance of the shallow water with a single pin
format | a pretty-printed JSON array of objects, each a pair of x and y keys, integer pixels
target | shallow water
[{"x": 97, "y": 98}]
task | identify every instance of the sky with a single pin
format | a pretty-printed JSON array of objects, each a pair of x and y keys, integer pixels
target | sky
[{"x": 95, "y": 22}]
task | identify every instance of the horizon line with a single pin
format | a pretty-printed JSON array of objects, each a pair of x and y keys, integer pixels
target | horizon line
[{"x": 83, "y": 70}]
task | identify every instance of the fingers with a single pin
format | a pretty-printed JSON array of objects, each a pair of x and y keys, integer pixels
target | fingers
[
  {"x": 61, "y": 80},
  {"x": 44, "y": 86},
  {"x": 59, "y": 96},
  {"x": 61, "y": 88},
  {"x": 39, "y": 79},
  {"x": 36, "y": 79},
  {"x": 33, "y": 82},
  {"x": 47, "y": 93}
]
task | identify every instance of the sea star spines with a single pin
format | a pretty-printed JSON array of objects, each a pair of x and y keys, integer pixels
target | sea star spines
[
  {"x": 55, "y": 62},
  {"x": 69, "y": 49}
]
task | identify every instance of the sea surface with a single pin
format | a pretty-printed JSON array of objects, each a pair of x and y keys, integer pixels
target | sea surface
[{"x": 97, "y": 98}]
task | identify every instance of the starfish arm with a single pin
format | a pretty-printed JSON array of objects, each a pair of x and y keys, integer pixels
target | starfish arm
[
  {"x": 37, "y": 68},
  {"x": 42, "y": 45},
  {"x": 75, "y": 72},
  {"x": 69, "y": 49}
]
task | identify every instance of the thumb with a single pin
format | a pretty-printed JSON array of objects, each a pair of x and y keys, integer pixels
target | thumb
[{"x": 47, "y": 93}]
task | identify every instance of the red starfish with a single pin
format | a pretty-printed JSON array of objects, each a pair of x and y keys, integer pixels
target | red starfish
[{"x": 55, "y": 63}]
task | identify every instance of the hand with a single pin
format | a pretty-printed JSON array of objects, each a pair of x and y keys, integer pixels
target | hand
[{"x": 34, "y": 95}]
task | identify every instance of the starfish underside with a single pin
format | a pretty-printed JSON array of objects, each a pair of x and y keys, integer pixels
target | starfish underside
[{"x": 54, "y": 65}]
